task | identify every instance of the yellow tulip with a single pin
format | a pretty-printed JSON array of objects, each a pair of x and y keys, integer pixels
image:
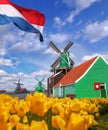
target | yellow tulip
[
  {"x": 28, "y": 100},
  {"x": 76, "y": 122},
  {"x": 58, "y": 123},
  {"x": 12, "y": 105},
  {"x": 14, "y": 119},
  {"x": 3, "y": 125},
  {"x": 35, "y": 125},
  {"x": 25, "y": 119},
  {"x": 90, "y": 121},
  {"x": 38, "y": 102},
  {"x": 92, "y": 108},
  {"x": 10, "y": 126},
  {"x": 5, "y": 98},
  {"x": 21, "y": 126},
  {"x": 57, "y": 108},
  {"x": 21, "y": 108},
  {"x": 4, "y": 115}
]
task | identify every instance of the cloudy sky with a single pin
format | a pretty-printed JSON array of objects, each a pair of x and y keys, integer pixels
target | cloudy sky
[{"x": 22, "y": 56}]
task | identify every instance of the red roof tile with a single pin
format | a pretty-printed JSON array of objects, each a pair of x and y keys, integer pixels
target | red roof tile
[{"x": 76, "y": 72}]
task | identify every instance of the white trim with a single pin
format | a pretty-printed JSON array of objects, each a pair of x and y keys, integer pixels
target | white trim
[
  {"x": 103, "y": 59},
  {"x": 105, "y": 90},
  {"x": 65, "y": 84},
  {"x": 57, "y": 73},
  {"x": 87, "y": 69}
]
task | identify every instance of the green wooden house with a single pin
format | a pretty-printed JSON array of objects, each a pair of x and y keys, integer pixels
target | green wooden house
[{"x": 87, "y": 80}]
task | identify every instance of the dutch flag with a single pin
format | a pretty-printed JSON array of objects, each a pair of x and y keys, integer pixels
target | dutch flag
[{"x": 26, "y": 19}]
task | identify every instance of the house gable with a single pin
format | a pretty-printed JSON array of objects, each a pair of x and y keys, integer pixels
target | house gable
[
  {"x": 98, "y": 72},
  {"x": 99, "y": 57}
]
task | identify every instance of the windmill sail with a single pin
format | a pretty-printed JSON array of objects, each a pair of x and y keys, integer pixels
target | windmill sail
[
  {"x": 56, "y": 62},
  {"x": 68, "y": 46},
  {"x": 63, "y": 61},
  {"x": 54, "y": 47}
]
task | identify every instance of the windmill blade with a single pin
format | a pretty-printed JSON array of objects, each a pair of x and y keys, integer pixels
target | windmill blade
[
  {"x": 54, "y": 47},
  {"x": 42, "y": 79},
  {"x": 36, "y": 85},
  {"x": 68, "y": 46},
  {"x": 56, "y": 63},
  {"x": 19, "y": 81},
  {"x": 37, "y": 79},
  {"x": 15, "y": 83}
]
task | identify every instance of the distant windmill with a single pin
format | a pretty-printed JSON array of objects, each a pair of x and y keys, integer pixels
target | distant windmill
[
  {"x": 40, "y": 87},
  {"x": 18, "y": 88},
  {"x": 63, "y": 62}
]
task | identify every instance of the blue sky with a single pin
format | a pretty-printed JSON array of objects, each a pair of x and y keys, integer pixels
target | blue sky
[{"x": 85, "y": 22}]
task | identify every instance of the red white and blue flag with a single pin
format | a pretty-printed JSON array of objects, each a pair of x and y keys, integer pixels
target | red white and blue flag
[{"x": 26, "y": 19}]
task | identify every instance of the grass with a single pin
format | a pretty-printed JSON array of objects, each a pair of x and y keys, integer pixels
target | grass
[{"x": 103, "y": 123}]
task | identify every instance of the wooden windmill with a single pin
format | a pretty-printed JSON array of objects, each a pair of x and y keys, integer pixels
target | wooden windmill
[
  {"x": 60, "y": 67},
  {"x": 19, "y": 89},
  {"x": 64, "y": 61},
  {"x": 40, "y": 87}
]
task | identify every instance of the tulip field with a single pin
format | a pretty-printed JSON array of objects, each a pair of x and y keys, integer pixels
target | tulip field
[{"x": 39, "y": 112}]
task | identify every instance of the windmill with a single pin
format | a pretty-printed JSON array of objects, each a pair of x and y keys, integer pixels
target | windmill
[
  {"x": 60, "y": 67},
  {"x": 18, "y": 88},
  {"x": 40, "y": 86},
  {"x": 63, "y": 62}
]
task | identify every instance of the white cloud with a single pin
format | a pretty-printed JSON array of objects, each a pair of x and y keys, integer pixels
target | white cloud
[
  {"x": 5, "y": 62},
  {"x": 21, "y": 74},
  {"x": 7, "y": 80},
  {"x": 3, "y": 73},
  {"x": 87, "y": 57},
  {"x": 105, "y": 56},
  {"x": 2, "y": 51},
  {"x": 82, "y": 4},
  {"x": 58, "y": 23},
  {"x": 17, "y": 40},
  {"x": 57, "y": 20},
  {"x": 50, "y": 51},
  {"x": 96, "y": 31},
  {"x": 28, "y": 45},
  {"x": 9, "y": 34},
  {"x": 68, "y": 2},
  {"x": 40, "y": 73},
  {"x": 71, "y": 16},
  {"x": 79, "y": 6},
  {"x": 59, "y": 37}
]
